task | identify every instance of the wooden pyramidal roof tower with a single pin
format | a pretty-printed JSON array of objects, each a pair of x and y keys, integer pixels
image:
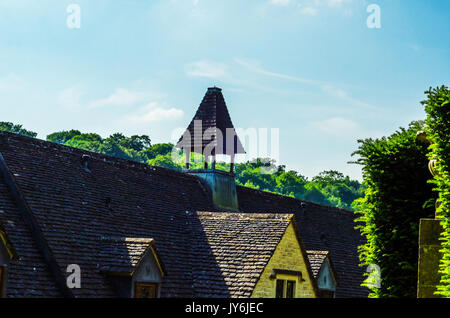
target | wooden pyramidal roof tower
[{"x": 211, "y": 131}]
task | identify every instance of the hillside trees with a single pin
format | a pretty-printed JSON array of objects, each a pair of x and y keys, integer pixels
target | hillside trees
[{"x": 17, "y": 129}]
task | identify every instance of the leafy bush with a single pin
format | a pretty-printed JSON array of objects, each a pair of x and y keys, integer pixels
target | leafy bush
[
  {"x": 437, "y": 107},
  {"x": 395, "y": 172}
]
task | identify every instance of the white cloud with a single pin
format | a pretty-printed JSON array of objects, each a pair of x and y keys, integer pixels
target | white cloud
[
  {"x": 206, "y": 69},
  {"x": 159, "y": 114},
  {"x": 234, "y": 78},
  {"x": 309, "y": 7},
  {"x": 280, "y": 2},
  {"x": 70, "y": 97},
  {"x": 330, "y": 89},
  {"x": 121, "y": 97},
  {"x": 152, "y": 112},
  {"x": 336, "y": 3},
  {"x": 344, "y": 128},
  {"x": 140, "y": 107},
  {"x": 256, "y": 67},
  {"x": 12, "y": 83},
  {"x": 343, "y": 95},
  {"x": 308, "y": 10},
  {"x": 338, "y": 126}
]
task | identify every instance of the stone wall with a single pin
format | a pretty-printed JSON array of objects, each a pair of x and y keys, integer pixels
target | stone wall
[
  {"x": 429, "y": 256},
  {"x": 287, "y": 256}
]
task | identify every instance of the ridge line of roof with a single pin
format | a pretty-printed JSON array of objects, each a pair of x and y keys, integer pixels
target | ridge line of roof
[
  {"x": 130, "y": 164},
  {"x": 267, "y": 215},
  {"x": 145, "y": 240},
  {"x": 294, "y": 199},
  {"x": 143, "y": 166},
  {"x": 321, "y": 252}
]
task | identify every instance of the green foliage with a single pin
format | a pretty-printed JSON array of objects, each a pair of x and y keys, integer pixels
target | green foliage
[
  {"x": 164, "y": 161},
  {"x": 135, "y": 142},
  {"x": 395, "y": 174},
  {"x": 117, "y": 145},
  {"x": 63, "y": 136},
  {"x": 329, "y": 187},
  {"x": 158, "y": 149},
  {"x": 437, "y": 107},
  {"x": 338, "y": 188},
  {"x": 90, "y": 142},
  {"x": 17, "y": 129}
]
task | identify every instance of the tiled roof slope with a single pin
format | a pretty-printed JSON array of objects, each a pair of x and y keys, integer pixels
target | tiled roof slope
[
  {"x": 122, "y": 255},
  {"x": 316, "y": 259},
  {"x": 76, "y": 207},
  {"x": 242, "y": 245},
  {"x": 28, "y": 275},
  {"x": 322, "y": 228}
]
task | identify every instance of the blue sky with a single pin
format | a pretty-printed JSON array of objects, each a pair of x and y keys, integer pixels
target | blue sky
[{"x": 311, "y": 68}]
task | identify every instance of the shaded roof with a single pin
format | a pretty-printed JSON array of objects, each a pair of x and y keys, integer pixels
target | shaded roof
[
  {"x": 242, "y": 245},
  {"x": 75, "y": 207},
  {"x": 122, "y": 255},
  {"x": 214, "y": 117},
  {"x": 28, "y": 275},
  {"x": 321, "y": 228},
  {"x": 316, "y": 259},
  {"x": 6, "y": 242}
]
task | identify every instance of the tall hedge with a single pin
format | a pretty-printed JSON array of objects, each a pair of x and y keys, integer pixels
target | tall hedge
[
  {"x": 395, "y": 172},
  {"x": 437, "y": 107}
]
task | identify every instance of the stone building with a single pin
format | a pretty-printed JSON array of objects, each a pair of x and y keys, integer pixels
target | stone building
[{"x": 133, "y": 230}]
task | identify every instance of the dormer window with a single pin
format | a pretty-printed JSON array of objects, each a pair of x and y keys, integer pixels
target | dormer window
[
  {"x": 146, "y": 290},
  {"x": 323, "y": 273},
  {"x": 133, "y": 266}
]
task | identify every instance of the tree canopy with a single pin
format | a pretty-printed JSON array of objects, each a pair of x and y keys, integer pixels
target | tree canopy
[{"x": 17, "y": 129}]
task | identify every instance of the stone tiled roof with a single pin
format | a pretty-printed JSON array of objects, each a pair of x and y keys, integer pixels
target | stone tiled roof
[
  {"x": 321, "y": 228},
  {"x": 74, "y": 206},
  {"x": 242, "y": 245},
  {"x": 122, "y": 255},
  {"x": 316, "y": 259},
  {"x": 28, "y": 275}
]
